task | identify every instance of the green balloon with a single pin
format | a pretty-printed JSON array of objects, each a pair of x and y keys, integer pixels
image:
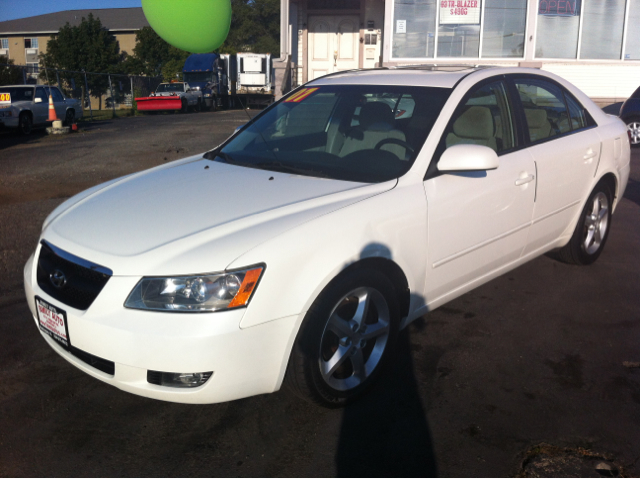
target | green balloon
[{"x": 197, "y": 26}]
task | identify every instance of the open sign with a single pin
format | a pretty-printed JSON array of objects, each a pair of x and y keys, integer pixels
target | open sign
[{"x": 559, "y": 8}]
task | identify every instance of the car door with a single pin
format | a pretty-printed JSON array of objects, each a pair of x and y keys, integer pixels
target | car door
[
  {"x": 40, "y": 106},
  {"x": 478, "y": 221},
  {"x": 566, "y": 152}
]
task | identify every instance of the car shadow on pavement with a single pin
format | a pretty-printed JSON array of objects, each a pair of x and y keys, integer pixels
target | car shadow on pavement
[
  {"x": 10, "y": 138},
  {"x": 632, "y": 192},
  {"x": 385, "y": 433}
]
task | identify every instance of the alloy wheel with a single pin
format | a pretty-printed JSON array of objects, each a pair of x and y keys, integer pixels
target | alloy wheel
[
  {"x": 634, "y": 129},
  {"x": 354, "y": 339},
  {"x": 596, "y": 223}
]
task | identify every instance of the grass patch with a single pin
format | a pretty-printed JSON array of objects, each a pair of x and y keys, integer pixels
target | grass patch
[{"x": 100, "y": 115}]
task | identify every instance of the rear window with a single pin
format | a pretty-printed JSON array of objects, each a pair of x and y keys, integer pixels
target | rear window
[{"x": 18, "y": 93}]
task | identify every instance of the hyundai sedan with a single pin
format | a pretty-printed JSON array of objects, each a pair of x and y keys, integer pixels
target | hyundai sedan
[{"x": 295, "y": 251}]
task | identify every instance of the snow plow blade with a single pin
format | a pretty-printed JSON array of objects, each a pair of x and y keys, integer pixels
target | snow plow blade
[{"x": 159, "y": 103}]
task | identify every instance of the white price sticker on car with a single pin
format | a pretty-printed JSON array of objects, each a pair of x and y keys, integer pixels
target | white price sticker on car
[{"x": 53, "y": 321}]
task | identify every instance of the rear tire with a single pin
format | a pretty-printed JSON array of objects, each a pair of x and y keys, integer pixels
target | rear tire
[
  {"x": 633, "y": 125},
  {"x": 592, "y": 230},
  {"x": 345, "y": 340}
]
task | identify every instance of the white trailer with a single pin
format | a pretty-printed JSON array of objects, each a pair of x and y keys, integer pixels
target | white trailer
[{"x": 254, "y": 79}]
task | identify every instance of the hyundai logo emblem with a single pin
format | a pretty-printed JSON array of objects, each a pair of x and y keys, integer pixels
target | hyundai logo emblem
[{"x": 58, "y": 279}]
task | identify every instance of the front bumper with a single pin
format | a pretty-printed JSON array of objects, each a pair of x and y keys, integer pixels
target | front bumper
[{"x": 245, "y": 362}]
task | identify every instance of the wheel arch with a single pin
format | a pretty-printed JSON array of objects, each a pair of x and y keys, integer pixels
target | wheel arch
[
  {"x": 612, "y": 182},
  {"x": 392, "y": 271}
]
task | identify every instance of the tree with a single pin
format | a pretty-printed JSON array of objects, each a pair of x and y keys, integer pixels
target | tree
[
  {"x": 255, "y": 27},
  {"x": 149, "y": 54},
  {"x": 9, "y": 75},
  {"x": 87, "y": 47}
]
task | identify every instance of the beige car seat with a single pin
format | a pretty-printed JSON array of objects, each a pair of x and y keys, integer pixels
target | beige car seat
[
  {"x": 475, "y": 127},
  {"x": 539, "y": 126},
  {"x": 376, "y": 124}
]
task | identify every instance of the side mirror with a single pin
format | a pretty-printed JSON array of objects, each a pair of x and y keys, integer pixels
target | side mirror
[
  {"x": 468, "y": 158},
  {"x": 38, "y": 100}
]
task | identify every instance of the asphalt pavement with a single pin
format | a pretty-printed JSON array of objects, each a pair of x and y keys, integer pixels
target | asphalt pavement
[{"x": 536, "y": 373}]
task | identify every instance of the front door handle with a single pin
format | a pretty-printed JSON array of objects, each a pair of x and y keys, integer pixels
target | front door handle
[{"x": 525, "y": 180}]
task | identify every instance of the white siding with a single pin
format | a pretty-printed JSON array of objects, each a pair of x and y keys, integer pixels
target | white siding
[{"x": 616, "y": 82}]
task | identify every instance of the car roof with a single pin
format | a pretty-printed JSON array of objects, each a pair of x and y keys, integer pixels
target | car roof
[{"x": 443, "y": 76}]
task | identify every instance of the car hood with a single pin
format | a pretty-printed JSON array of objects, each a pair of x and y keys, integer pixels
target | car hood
[{"x": 194, "y": 216}]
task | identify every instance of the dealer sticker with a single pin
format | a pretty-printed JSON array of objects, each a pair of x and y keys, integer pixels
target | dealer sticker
[
  {"x": 53, "y": 321},
  {"x": 5, "y": 98}
]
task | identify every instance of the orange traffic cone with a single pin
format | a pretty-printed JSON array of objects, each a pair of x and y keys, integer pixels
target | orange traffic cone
[{"x": 52, "y": 110}]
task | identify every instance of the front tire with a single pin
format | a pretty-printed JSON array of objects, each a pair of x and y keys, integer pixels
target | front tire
[
  {"x": 25, "y": 123},
  {"x": 633, "y": 125},
  {"x": 592, "y": 230},
  {"x": 345, "y": 340}
]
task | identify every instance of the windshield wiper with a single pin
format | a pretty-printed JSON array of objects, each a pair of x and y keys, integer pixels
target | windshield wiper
[{"x": 282, "y": 168}]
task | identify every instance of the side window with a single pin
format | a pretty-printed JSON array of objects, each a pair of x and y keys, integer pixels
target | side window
[
  {"x": 485, "y": 119},
  {"x": 57, "y": 96},
  {"x": 580, "y": 117},
  {"x": 544, "y": 109},
  {"x": 40, "y": 93}
]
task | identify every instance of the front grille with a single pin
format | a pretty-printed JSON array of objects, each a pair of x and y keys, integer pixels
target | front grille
[
  {"x": 84, "y": 280},
  {"x": 100, "y": 364}
]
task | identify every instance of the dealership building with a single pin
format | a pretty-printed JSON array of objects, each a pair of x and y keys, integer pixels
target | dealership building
[{"x": 594, "y": 44}]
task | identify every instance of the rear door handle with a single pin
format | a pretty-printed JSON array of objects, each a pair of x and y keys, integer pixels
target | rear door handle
[
  {"x": 525, "y": 180},
  {"x": 590, "y": 155}
]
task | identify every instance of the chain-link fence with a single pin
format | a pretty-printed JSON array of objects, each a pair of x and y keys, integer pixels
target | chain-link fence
[{"x": 100, "y": 91}]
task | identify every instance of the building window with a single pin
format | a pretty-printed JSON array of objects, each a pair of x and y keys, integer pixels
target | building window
[
  {"x": 454, "y": 27},
  {"x": 602, "y": 28},
  {"x": 503, "y": 32},
  {"x": 4, "y": 43},
  {"x": 414, "y": 28},
  {"x": 558, "y": 25},
  {"x": 31, "y": 43},
  {"x": 632, "y": 49}
]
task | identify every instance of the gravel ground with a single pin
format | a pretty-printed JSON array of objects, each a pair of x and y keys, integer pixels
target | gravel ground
[{"x": 535, "y": 373}]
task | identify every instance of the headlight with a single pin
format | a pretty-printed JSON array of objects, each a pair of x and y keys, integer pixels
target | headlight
[
  {"x": 198, "y": 293},
  {"x": 207, "y": 95}
]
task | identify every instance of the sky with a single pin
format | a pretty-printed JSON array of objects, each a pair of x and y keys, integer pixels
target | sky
[{"x": 11, "y": 9}]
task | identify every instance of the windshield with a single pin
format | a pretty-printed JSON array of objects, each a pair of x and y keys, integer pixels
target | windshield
[
  {"x": 165, "y": 87},
  {"x": 364, "y": 133},
  {"x": 18, "y": 93},
  {"x": 193, "y": 77}
]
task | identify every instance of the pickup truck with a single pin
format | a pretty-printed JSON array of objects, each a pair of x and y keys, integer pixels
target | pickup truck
[{"x": 177, "y": 96}]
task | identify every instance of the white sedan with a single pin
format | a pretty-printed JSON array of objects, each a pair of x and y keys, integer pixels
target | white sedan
[
  {"x": 295, "y": 251},
  {"x": 27, "y": 106}
]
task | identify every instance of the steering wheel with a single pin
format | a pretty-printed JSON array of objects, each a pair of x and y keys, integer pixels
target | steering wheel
[{"x": 394, "y": 141}]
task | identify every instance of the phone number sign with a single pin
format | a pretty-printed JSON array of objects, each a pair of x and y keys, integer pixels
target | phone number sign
[{"x": 460, "y": 12}]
